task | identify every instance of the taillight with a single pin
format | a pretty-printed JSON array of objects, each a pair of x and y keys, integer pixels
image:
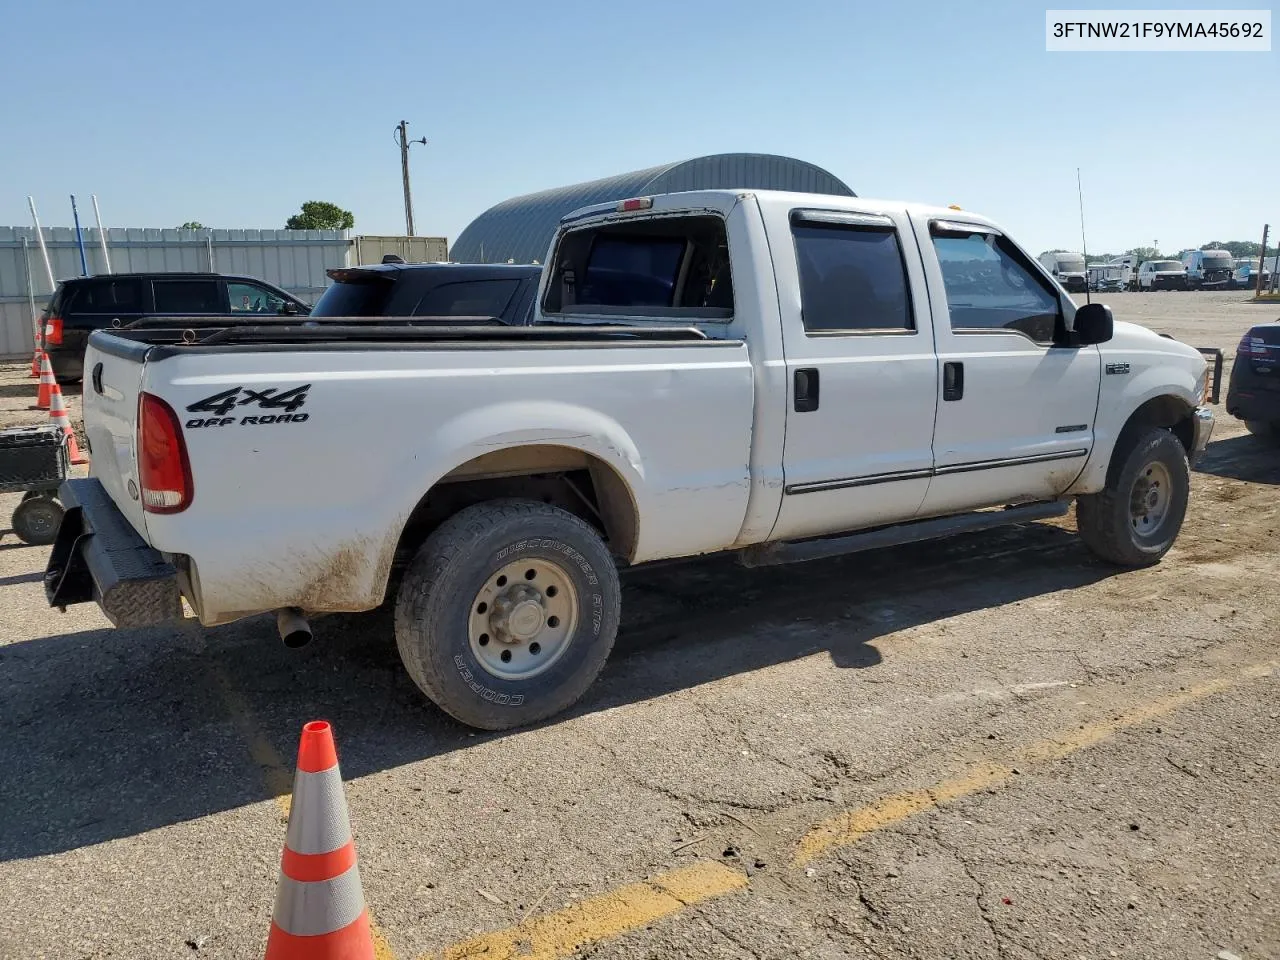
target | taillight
[
  {"x": 53, "y": 331},
  {"x": 164, "y": 470},
  {"x": 1252, "y": 346}
]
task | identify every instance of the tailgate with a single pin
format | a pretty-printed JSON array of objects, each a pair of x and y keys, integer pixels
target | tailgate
[{"x": 112, "y": 382}]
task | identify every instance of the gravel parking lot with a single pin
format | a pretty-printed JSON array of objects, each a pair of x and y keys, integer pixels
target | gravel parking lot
[{"x": 993, "y": 746}]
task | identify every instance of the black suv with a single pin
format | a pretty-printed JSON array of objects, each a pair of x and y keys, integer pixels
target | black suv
[
  {"x": 499, "y": 291},
  {"x": 1254, "y": 393},
  {"x": 83, "y": 304}
]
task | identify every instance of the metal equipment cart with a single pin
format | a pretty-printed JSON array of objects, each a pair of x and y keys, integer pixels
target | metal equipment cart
[{"x": 34, "y": 462}]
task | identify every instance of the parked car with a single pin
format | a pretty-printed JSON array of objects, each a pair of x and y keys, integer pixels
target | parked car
[
  {"x": 1208, "y": 269},
  {"x": 503, "y": 291},
  {"x": 83, "y": 304},
  {"x": 1162, "y": 275},
  {"x": 1105, "y": 277},
  {"x": 1254, "y": 391},
  {"x": 784, "y": 376}
]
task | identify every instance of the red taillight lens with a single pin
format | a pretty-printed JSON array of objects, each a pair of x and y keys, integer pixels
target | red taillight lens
[
  {"x": 164, "y": 470},
  {"x": 53, "y": 331}
]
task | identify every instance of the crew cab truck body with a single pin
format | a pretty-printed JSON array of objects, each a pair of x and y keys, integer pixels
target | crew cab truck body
[{"x": 787, "y": 376}]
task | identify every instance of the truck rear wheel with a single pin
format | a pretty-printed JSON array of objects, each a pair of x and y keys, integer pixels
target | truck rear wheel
[
  {"x": 508, "y": 613},
  {"x": 1136, "y": 518}
]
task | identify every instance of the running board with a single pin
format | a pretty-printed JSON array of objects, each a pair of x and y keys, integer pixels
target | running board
[{"x": 771, "y": 554}]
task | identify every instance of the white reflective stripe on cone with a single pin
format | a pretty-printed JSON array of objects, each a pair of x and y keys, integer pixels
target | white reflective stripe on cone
[
  {"x": 318, "y": 813},
  {"x": 322, "y": 906}
]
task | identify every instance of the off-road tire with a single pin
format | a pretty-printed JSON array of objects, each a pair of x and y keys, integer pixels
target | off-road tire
[
  {"x": 433, "y": 607},
  {"x": 1104, "y": 519}
]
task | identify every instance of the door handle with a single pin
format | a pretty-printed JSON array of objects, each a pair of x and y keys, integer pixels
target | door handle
[
  {"x": 952, "y": 380},
  {"x": 806, "y": 389}
]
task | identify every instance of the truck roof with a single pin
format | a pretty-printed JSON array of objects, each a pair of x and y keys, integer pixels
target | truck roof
[{"x": 724, "y": 199}]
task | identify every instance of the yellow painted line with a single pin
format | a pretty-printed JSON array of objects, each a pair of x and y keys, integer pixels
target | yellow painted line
[
  {"x": 559, "y": 934},
  {"x": 848, "y": 828},
  {"x": 277, "y": 777}
]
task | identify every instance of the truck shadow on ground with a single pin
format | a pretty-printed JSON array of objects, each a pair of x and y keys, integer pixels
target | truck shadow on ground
[
  {"x": 1249, "y": 458},
  {"x": 106, "y": 734}
]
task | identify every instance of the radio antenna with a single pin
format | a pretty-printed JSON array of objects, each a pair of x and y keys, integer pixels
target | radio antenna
[{"x": 1084, "y": 246}]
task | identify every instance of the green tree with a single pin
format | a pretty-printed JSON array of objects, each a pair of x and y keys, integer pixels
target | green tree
[
  {"x": 1054, "y": 250},
  {"x": 192, "y": 225},
  {"x": 1144, "y": 253},
  {"x": 320, "y": 215},
  {"x": 1239, "y": 248}
]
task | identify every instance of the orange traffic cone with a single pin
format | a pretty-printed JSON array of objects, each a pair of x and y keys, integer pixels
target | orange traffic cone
[
  {"x": 58, "y": 414},
  {"x": 35, "y": 360},
  {"x": 46, "y": 383},
  {"x": 319, "y": 912}
]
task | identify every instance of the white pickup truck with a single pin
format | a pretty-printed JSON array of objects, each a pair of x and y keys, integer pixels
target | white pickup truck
[{"x": 788, "y": 376}]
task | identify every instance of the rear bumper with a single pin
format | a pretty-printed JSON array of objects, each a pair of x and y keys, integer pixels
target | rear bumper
[
  {"x": 98, "y": 557},
  {"x": 1254, "y": 393}
]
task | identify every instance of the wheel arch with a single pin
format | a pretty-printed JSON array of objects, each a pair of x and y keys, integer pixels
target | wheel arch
[
  {"x": 559, "y": 472},
  {"x": 1163, "y": 409}
]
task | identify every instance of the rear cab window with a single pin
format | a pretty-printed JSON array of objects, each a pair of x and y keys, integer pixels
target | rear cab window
[{"x": 670, "y": 267}]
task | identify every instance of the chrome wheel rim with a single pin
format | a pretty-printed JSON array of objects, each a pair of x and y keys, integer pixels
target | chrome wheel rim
[
  {"x": 1149, "y": 501},
  {"x": 523, "y": 619}
]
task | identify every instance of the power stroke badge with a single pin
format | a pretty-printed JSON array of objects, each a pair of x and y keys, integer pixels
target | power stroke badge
[{"x": 222, "y": 404}]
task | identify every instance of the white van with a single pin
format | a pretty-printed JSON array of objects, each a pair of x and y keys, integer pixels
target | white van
[
  {"x": 1209, "y": 269},
  {"x": 1162, "y": 275},
  {"x": 1067, "y": 268}
]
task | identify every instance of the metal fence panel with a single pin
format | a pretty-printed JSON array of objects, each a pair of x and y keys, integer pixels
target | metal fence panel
[{"x": 296, "y": 260}]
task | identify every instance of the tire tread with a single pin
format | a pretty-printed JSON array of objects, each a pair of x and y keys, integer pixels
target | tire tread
[{"x": 420, "y": 599}]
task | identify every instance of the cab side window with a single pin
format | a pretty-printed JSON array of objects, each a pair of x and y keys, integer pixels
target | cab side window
[
  {"x": 187, "y": 296},
  {"x": 251, "y": 298},
  {"x": 852, "y": 277},
  {"x": 989, "y": 288}
]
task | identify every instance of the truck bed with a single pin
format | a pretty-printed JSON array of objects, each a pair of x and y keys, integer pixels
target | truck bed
[{"x": 312, "y": 444}]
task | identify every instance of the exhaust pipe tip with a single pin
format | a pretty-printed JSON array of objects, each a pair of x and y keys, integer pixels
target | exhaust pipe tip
[{"x": 294, "y": 630}]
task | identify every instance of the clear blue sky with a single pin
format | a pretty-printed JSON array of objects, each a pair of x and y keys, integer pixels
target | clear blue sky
[{"x": 233, "y": 113}]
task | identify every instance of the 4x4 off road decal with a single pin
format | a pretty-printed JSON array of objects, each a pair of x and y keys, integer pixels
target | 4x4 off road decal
[{"x": 272, "y": 398}]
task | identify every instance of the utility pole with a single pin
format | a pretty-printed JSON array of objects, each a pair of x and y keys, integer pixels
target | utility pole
[
  {"x": 402, "y": 138},
  {"x": 1262, "y": 261}
]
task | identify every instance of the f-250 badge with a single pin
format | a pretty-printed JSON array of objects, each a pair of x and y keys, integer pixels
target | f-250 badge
[{"x": 272, "y": 398}]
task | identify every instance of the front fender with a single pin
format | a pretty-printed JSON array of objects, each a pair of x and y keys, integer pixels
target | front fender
[{"x": 1121, "y": 396}]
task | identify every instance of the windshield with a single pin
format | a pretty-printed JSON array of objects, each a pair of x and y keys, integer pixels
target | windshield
[
  {"x": 1217, "y": 258},
  {"x": 1066, "y": 265},
  {"x": 1164, "y": 265}
]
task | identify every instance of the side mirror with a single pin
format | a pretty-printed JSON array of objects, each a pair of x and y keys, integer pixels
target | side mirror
[
  {"x": 1093, "y": 324},
  {"x": 289, "y": 308}
]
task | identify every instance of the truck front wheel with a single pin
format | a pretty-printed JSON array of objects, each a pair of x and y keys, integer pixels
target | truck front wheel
[
  {"x": 508, "y": 613},
  {"x": 1136, "y": 518}
]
